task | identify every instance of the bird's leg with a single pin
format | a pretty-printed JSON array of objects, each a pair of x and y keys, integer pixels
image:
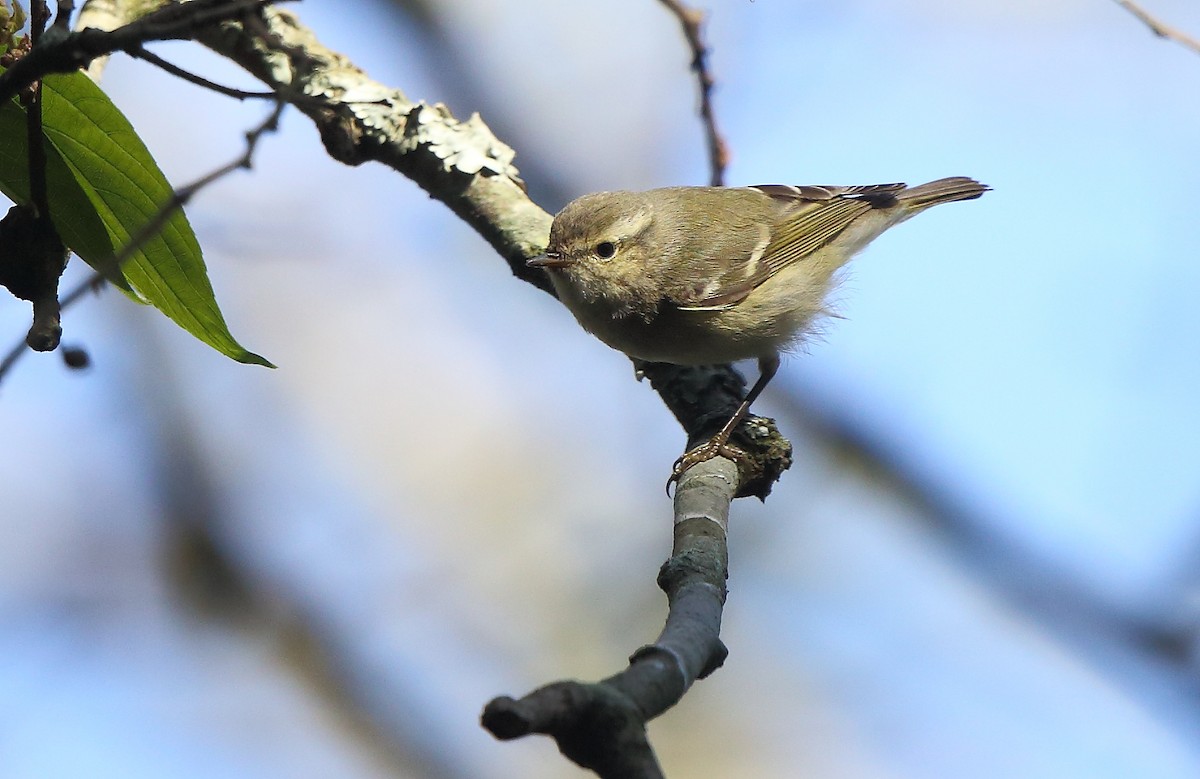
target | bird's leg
[{"x": 718, "y": 445}]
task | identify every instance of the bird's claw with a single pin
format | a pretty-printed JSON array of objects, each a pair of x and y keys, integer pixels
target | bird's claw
[{"x": 702, "y": 453}]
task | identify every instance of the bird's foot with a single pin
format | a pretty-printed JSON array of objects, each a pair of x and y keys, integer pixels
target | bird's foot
[{"x": 717, "y": 446}]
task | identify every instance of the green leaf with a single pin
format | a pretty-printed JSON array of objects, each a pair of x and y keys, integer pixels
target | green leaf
[
  {"x": 79, "y": 226},
  {"x": 104, "y": 186}
]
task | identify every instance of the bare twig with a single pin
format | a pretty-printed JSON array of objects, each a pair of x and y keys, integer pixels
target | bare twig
[
  {"x": 142, "y": 53},
  {"x": 1159, "y": 28},
  {"x": 246, "y": 160},
  {"x": 155, "y": 224},
  {"x": 690, "y": 20}
]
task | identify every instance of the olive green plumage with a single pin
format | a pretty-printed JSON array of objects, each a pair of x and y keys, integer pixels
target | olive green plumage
[
  {"x": 696, "y": 275},
  {"x": 701, "y": 275}
]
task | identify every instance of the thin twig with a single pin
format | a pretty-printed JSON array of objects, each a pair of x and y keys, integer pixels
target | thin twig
[
  {"x": 1160, "y": 29},
  {"x": 690, "y": 20},
  {"x": 93, "y": 283},
  {"x": 178, "y": 199},
  {"x": 33, "y": 122},
  {"x": 142, "y": 53}
]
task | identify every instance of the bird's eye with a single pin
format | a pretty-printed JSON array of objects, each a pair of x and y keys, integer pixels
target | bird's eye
[{"x": 605, "y": 250}]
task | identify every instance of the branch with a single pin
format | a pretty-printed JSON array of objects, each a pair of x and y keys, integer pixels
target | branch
[
  {"x": 690, "y": 20},
  {"x": 105, "y": 15},
  {"x": 602, "y": 726},
  {"x": 1159, "y": 28},
  {"x": 461, "y": 164}
]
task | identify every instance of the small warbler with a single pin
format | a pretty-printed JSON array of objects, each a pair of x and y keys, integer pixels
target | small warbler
[{"x": 704, "y": 275}]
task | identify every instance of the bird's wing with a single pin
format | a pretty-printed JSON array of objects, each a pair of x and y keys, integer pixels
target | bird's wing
[{"x": 809, "y": 218}]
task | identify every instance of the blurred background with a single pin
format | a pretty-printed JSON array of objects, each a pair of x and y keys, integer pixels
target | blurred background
[{"x": 983, "y": 563}]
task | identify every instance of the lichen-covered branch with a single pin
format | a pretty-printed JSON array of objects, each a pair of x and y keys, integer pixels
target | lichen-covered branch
[{"x": 459, "y": 163}]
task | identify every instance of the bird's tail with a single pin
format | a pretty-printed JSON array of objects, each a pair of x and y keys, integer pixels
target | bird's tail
[{"x": 941, "y": 191}]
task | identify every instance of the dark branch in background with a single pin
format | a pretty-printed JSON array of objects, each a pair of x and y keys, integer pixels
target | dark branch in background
[
  {"x": 1135, "y": 652},
  {"x": 179, "y": 198},
  {"x": 184, "y": 483},
  {"x": 1160, "y": 29},
  {"x": 690, "y": 20}
]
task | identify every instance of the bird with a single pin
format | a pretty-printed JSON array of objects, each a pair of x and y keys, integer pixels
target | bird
[{"x": 709, "y": 275}]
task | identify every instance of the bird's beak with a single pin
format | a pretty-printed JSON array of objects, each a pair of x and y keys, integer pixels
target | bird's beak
[{"x": 548, "y": 260}]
